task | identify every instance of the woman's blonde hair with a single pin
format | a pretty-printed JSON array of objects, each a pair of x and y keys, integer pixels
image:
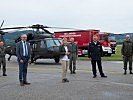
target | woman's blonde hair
[{"x": 64, "y": 39}]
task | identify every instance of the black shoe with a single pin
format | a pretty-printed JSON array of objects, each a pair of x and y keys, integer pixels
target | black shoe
[
  {"x": 4, "y": 74},
  {"x": 21, "y": 84},
  {"x": 71, "y": 72},
  {"x": 26, "y": 83},
  {"x": 104, "y": 76},
  {"x": 74, "y": 72},
  {"x": 130, "y": 72},
  {"x": 125, "y": 73},
  {"x": 94, "y": 76},
  {"x": 66, "y": 80}
]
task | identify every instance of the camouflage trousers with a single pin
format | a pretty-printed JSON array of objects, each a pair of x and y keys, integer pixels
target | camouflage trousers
[
  {"x": 3, "y": 63},
  {"x": 127, "y": 59},
  {"x": 72, "y": 66}
]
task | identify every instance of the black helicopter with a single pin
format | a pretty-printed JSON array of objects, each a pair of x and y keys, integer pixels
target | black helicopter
[{"x": 43, "y": 44}]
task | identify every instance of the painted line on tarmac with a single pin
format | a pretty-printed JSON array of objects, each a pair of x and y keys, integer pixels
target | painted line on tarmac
[
  {"x": 119, "y": 62},
  {"x": 117, "y": 83},
  {"x": 38, "y": 68},
  {"x": 109, "y": 82},
  {"x": 83, "y": 70},
  {"x": 57, "y": 69}
]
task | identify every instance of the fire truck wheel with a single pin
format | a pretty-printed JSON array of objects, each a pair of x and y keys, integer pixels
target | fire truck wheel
[{"x": 109, "y": 54}]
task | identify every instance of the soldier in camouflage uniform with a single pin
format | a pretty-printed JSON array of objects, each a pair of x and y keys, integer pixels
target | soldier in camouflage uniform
[
  {"x": 127, "y": 52},
  {"x": 73, "y": 55},
  {"x": 2, "y": 58}
]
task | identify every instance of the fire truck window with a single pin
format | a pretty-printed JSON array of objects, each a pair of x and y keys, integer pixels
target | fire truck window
[
  {"x": 103, "y": 38},
  {"x": 112, "y": 38}
]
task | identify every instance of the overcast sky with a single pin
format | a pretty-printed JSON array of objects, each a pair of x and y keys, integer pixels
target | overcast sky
[{"x": 106, "y": 15}]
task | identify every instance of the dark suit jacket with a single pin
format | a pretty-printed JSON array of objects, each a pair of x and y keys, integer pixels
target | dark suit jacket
[
  {"x": 19, "y": 50},
  {"x": 95, "y": 51},
  {"x": 63, "y": 51}
]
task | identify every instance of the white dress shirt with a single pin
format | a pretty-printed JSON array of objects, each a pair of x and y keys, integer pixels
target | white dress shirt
[
  {"x": 66, "y": 56},
  {"x": 25, "y": 50}
]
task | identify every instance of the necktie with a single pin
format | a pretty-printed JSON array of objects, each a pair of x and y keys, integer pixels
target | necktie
[{"x": 25, "y": 49}]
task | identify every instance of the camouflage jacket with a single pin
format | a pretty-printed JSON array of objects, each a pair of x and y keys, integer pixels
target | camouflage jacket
[
  {"x": 73, "y": 48},
  {"x": 127, "y": 48},
  {"x": 2, "y": 52}
]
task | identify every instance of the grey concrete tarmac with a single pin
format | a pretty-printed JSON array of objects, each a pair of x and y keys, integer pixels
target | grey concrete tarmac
[{"x": 45, "y": 78}]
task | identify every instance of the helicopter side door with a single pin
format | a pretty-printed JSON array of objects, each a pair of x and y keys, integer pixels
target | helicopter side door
[
  {"x": 39, "y": 50},
  {"x": 42, "y": 49}
]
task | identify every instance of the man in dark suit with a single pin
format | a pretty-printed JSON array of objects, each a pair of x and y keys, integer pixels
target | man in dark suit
[
  {"x": 23, "y": 54},
  {"x": 95, "y": 53}
]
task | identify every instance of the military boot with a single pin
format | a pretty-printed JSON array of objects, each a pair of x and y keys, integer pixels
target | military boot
[
  {"x": 130, "y": 72},
  {"x": 4, "y": 72}
]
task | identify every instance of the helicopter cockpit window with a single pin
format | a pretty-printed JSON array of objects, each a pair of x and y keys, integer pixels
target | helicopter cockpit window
[
  {"x": 57, "y": 42},
  {"x": 42, "y": 45},
  {"x": 53, "y": 42},
  {"x": 50, "y": 43},
  {"x": 60, "y": 40}
]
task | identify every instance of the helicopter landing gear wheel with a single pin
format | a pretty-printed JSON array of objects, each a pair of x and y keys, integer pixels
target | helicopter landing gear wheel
[
  {"x": 9, "y": 57},
  {"x": 32, "y": 59},
  {"x": 57, "y": 59}
]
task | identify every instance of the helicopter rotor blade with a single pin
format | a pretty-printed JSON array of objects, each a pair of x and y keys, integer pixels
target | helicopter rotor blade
[
  {"x": 61, "y": 28},
  {"x": 38, "y": 26},
  {"x": 46, "y": 31},
  {"x": 13, "y": 28},
  {"x": 2, "y": 24}
]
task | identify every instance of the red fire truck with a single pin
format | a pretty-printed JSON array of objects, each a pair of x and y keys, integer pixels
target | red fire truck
[
  {"x": 84, "y": 37},
  {"x": 113, "y": 42}
]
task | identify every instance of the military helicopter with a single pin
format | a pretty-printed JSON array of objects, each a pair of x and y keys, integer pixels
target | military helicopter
[{"x": 43, "y": 44}]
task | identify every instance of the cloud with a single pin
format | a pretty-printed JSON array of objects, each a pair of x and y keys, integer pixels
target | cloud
[{"x": 106, "y": 15}]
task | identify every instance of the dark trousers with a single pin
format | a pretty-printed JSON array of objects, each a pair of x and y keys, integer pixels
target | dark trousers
[
  {"x": 93, "y": 62},
  {"x": 23, "y": 70},
  {"x": 127, "y": 59},
  {"x": 3, "y": 63}
]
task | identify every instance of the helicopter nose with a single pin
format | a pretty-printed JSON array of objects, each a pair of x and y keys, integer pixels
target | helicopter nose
[
  {"x": 50, "y": 50},
  {"x": 56, "y": 50}
]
